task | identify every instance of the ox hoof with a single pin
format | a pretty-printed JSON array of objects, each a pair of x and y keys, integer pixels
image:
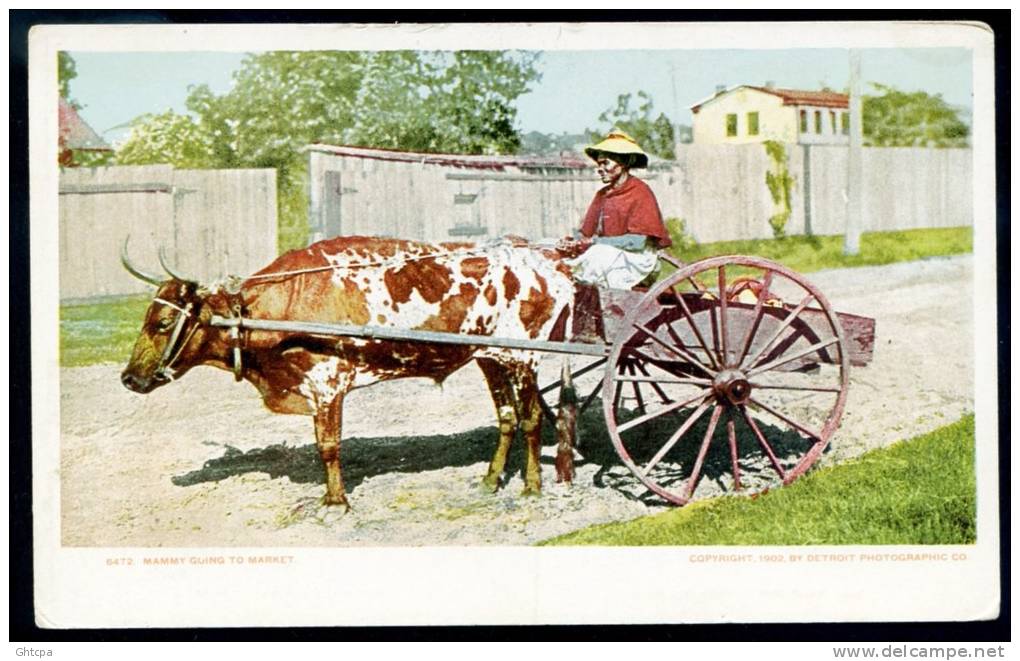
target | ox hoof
[
  {"x": 489, "y": 484},
  {"x": 531, "y": 492},
  {"x": 337, "y": 503}
]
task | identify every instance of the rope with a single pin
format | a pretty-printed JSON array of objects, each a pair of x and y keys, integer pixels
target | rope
[{"x": 386, "y": 262}]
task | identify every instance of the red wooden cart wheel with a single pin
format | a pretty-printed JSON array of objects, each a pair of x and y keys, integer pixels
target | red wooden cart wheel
[{"x": 726, "y": 395}]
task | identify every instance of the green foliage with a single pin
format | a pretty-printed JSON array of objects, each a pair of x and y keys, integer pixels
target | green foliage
[
  {"x": 654, "y": 134},
  {"x": 292, "y": 205},
  {"x": 102, "y": 332},
  {"x": 81, "y": 158},
  {"x": 683, "y": 241},
  {"x": 805, "y": 254},
  {"x": 911, "y": 119},
  {"x": 780, "y": 184},
  {"x": 180, "y": 140},
  {"x": 460, "y": 102},
  {"x": 921, "y": 491},
  {"x": 67, "y": 70}
]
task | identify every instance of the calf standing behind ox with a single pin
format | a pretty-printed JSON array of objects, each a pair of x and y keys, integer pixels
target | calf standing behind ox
[{"x": 506, "y": 290}]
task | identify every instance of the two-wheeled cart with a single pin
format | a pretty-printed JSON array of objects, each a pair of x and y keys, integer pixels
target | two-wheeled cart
[{"x": 732, "y": 367}]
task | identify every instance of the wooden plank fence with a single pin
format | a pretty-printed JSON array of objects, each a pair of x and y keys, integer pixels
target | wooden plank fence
[
  {"x": 720, "y": 190},
  {"x": 211, "y": 223}
]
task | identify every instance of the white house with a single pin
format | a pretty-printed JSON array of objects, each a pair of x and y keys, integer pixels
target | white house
[{"x": 747, "y": 114}]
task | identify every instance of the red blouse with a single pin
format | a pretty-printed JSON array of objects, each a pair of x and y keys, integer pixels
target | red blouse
[{"x": 629, "y": 209}]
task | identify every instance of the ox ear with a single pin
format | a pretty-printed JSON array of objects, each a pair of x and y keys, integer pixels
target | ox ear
[{"x": 141, "y": 275}]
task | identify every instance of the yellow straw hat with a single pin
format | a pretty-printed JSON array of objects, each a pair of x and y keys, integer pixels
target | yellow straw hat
[{"x": 620, "y": 144}]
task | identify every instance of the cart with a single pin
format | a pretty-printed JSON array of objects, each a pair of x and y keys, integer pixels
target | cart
[{"x": 731, "y": 368}]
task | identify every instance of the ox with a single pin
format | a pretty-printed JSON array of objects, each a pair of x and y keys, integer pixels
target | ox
[{"x": 506, "y": 289}]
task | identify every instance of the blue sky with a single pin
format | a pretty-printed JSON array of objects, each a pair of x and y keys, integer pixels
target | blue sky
[{"x": 576, "y": 86}]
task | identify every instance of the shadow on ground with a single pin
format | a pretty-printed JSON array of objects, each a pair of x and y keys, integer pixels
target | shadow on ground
[{"x": 368, "y": 457}]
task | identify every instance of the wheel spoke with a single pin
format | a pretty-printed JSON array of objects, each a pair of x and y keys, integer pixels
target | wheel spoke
[
  {"x": 630, "y": 424},
  {"x": 768, "y": 386},
  {"x": 731, "y": 433},
  {"x": 590, "y": 398},
  {"x": 677, "y": 351},
  {"x": 692, "y": 481},
  {"x": 670, "y": 380},
  {"x": 676, "y": 436},
  {"x": 549, "y": 413},
  {"x": 676, "y": 338},
  {"x": 759, "y": 309},
  {"x": 782, "y": 360},
  {"x": 654, "y": 383},
  {"x": 697, "y": 332},
  {"x": 764, "y": 444},
  {"x": 637, "y": 389},
  {"x": 793, "y": 423},
  {"x": 573, "y": 375},
  {"x": 723, "y": 353},
  {"x": 790, "y": 318}
]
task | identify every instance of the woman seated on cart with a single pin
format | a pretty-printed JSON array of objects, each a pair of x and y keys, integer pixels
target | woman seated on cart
[{"x": 622, "y": 230}]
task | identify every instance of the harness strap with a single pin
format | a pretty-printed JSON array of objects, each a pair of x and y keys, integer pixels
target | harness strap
[
  {"x": 165, "y": 361},
  {"x": 185, "y": 311},
  {"x": 235, "y": 340},
  {"x": 167, "y": 371}
]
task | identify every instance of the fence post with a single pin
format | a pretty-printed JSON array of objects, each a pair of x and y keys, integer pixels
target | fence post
[{"x": 855, "y": 170}]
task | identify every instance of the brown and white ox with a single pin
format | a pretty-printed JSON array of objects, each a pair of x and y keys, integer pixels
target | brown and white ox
[{"x": 507, "y": 290}]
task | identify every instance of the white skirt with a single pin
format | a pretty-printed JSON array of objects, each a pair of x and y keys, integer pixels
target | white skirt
[{"x": 611, "y": 267}]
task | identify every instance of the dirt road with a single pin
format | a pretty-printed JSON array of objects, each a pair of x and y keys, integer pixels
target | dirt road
[{"x": 203, "y": 463}]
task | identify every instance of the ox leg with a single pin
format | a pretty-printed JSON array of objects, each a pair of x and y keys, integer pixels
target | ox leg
[
  {"x": 530, "y": 415},
  {"x": 327, "y": 439},
  {"x": 501, "y": 390}
]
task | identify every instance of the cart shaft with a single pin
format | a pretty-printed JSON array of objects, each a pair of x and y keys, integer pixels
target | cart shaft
[{"x": 408, "y": 335}]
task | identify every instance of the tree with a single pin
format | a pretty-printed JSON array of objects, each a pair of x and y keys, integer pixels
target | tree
[
  {"x": 461, "y": 102},
  {"x": 67, "y": 71},
  {"x": 911, "y": 119},
  {"x": 177, "y": 139},
  {"x": 655, "y": 135}
]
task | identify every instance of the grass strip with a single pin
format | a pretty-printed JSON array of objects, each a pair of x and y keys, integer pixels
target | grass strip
[{"x": 920, "y": 491}]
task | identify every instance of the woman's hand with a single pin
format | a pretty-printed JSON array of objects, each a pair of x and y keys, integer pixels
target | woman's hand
[{"x": 570, "y": 247}]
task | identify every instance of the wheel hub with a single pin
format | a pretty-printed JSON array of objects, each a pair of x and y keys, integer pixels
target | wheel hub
[{"x": 732, "y": 386}]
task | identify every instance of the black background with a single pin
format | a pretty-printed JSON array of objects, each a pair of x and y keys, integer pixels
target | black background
[{"x": 22, "y": 625}]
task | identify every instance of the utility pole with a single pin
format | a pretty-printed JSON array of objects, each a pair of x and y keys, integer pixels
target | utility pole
[
  {"x": 855, "y": 165},
  {"x": 676, "y": 112}
]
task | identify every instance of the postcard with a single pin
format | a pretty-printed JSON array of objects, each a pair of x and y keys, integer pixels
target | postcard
[{"x": 513, "y": 324}]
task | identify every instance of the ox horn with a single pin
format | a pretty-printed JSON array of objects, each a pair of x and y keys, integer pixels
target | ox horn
[
  {"x": 141, "y": 275},
  {"x": 170, "y": 271}
]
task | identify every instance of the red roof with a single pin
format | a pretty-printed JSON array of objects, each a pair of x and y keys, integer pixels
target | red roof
[
  {"x": 823, "y": 98},
  {"x": 482, "y": 162},
  {"x": 75, "y": 133}
]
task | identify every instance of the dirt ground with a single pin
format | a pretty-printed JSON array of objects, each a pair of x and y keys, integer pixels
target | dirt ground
[{"x": 203, "y": 463}]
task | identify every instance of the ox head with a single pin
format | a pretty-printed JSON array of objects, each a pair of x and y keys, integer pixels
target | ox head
[{"x": 173, "y": 331}]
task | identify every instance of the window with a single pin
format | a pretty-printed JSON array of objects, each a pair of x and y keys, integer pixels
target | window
[
  {"x": 846, "y": 123},
  {"x": 731, "y": 125},
  {"x": 818, "y": 121},
  {"x": 803, "y": 121},
  {"x": 832, "y": 121},
  {"x": 752, "y": 123}
]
